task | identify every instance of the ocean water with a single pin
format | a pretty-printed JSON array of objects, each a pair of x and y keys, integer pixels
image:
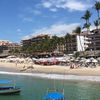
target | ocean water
[{"x": 34, "y": 88}]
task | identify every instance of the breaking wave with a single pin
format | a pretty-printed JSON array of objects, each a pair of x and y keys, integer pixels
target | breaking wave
[{"x": 56, "y": 76}]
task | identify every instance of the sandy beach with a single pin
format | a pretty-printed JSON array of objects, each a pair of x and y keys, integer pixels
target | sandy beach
[{"x": 54, "y": 69}]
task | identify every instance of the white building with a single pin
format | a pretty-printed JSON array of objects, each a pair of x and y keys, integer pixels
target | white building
[{"x": 82, "y": 42}]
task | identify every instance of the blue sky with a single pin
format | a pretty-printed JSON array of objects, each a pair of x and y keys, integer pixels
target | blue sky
[{"x": 20, "y": 19}]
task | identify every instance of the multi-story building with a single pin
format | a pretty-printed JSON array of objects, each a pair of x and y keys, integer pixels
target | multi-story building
[
  {"x": 94, "y": 39},
  {"x": 7, "y": 46},
  {"x": 26, "y": 42},
  {"x": 35, "y": 39},
  {"x": 92, "y": 42},
  {"x": 83, "y": 42},
  {"x": 14, "y": 46},
  {"x": 76, "y": 43},
  {"x": 60, "y": 48},
  {"x": 4, "y": 44},
  {"x": 39, "y": 38},
  {"x": 73, "y": 43}
]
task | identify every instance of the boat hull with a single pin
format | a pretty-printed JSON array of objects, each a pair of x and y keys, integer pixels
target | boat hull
[{"x": 10, "y": 91}]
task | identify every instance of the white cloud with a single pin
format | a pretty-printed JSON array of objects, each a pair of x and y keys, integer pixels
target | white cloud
[
  {"x": 31, "y": 10},
  {"x": 56, "y": 29},
  {"x": 47, "y": 4},
  {"x": 92, "y": 27},
  {"x": 18, "y": 30},
  {"x": 37, "y": 12},
  {"x": 53, "y": 9},
  {"x": 28, "y": 13},
  {"x": 77, "y": 5},
  {"x": 28, "y": 19},
  {"x": 26, "y": 37}
]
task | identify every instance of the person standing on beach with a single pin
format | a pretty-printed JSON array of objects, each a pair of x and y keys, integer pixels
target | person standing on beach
[{"x": 16, "y": 63}]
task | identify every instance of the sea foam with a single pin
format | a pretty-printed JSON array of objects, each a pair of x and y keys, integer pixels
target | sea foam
[{"x": 56, "y": 76}]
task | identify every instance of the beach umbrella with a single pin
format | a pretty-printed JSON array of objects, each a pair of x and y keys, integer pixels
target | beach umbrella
[
  {"x": 98, "y": 58},
  {"x": 94, "y": 60},
  {"x": 34, "y": 59},
  {"x": 91, "y": 58},
  {"x": 17, "y": 59},
  {"x": 83, "y": 60},
  {"x": 88, "y": 60},
  {"x": 61, "y": 59}
]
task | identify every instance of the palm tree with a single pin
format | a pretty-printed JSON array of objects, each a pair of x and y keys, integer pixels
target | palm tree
[
  {"x": 54, "y": 42},
  {"x": 97, "y": 8},
  {"x": 87, "y": 26},
  {"x": 67, "y": 40},
  {"x": 96, "y": 23},
  {"x": 86, "y": 17},
  {"x": 78, "y": 32},
  {"x": 60, "y": 43}
]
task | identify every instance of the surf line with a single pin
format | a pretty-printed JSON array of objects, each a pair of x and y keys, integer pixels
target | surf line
[{"x": 56, "y": 76}]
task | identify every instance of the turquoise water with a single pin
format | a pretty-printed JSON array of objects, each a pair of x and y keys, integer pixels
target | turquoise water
[{"x": 35, "y": 88}]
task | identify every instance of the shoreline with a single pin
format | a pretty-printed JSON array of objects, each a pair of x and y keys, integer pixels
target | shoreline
[
  {"x": 56, "y": 76},
  {"x": 57, "y": 72},
  {"x": 53, "y": 72},
  {"x": 53, "y": 69}
]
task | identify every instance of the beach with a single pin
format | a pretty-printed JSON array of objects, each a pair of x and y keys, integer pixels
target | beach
[
  {"x": 80, "y": 83},
  {"x": 51, "y": 69}
]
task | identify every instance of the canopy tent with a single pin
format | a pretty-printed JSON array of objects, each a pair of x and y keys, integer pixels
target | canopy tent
[
  {"x": 62, "y": 59},
  {"x": 92, "y": 60},
  {"x": 5, "y": 81},
  {"x": 98, "y": 58},
  {"x": 88, "y": 60},
  {"x": 7, "y": 84},
  {"x": 82, "y": 60},
  {"x": 54, "y": 96}
]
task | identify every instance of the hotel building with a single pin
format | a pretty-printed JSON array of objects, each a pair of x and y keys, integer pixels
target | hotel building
[
  {"x": 94, "y": 38},
  {"x": 36, "y": 39},
  {"x": 7, "y": 46},
  {"x": 74, "y": 43}
]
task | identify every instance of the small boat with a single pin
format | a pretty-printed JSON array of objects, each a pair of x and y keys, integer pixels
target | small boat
[
  {"x": 54, "y": 95},
  {"x": 8, "y": 87}
]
